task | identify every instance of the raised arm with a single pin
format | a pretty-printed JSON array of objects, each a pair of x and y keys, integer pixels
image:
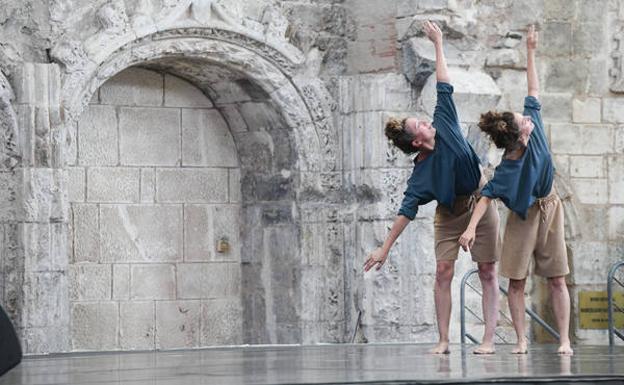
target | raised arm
[
  {"x": 532, "y": 80},
  {"x": 434, "y": 33}
]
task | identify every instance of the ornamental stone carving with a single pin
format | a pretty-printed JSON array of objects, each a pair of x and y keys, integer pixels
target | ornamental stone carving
[
  {"x": 9, "y": 154},
  {"x": 617, "y": 69}
]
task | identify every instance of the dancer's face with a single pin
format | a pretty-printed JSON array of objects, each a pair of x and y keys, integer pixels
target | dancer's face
[
  {"x": 423, "y": 132},
  {"x": 526, "y": 127}
]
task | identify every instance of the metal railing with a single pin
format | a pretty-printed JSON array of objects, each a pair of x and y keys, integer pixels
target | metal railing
[
  {"x": 464, "y": 308},
  {"x": 611, "y": 303}
]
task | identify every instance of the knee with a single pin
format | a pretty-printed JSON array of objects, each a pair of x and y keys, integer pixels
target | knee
[
  {"x": 557, "y": 283},
  {"x": 516, "y": 285},
  {"x": 444, "y": 272},
  {"x": 487, "y": 272}
]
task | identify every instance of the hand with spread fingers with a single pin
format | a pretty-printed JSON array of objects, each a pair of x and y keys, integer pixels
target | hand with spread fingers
[
  {"x": 433, "y": 31},
  {"x": 376, "y": 258}
]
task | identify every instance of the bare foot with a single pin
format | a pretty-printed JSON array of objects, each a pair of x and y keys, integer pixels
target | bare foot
[
  {"x": 440, "y": 348},
  {"x": 485, "y": 348},
  {"x": 521, "y": 347},
  {"x": 565, "y": 349}
]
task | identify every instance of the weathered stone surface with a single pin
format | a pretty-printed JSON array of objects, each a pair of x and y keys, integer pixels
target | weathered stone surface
[
  {"x": 136, "y": 325},
  {"x": 206, "y": 140},
  {"x": 94, "y": 326},
  {"x": 616, "y": 179},
  {"x": 141, "y": 233},
  {"x": 208, "y": 280},
  {"x": 121, "y": 281},
  {"x": 180, "y": 93},
  {"x": 90, "y": 282},
  {"x": 586, "y": 111},
  {"x": 221, "y": 322},
  {"x": 148, "y": 185},
  {"x": 76, "y": 184},
  {"x": 616, "y": 222},
  {"x": 235, "y": 183},
  {"x": 124, "y": 190},
  {"x": 374, "y": 93},
  {"x": 153, "y": 281},
  {"x": 97, "y": 136},
  {"x": 556, "y": 107},
  {"x": 613, "y": 110},
  {"x": 134, "y": 87},
  {"x": 192, "y": 185},
  {"x": 591, "y": 191},
  {"x": 589, "y": 39},
  {"x": 419, "y": 59},
  {"x": 567, "y": 139},
  {"x": 86, "y": 237},
  {"x": 587, "y": 167},
  {"x": 149, "y": 136},
  {"x": 474, "y": 92},
  {"x": 565, "y": 75},
  {"x": 177, "y": 324}
]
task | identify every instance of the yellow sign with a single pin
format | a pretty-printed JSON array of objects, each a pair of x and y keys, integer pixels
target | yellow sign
[{"x": 594, "y": 312}]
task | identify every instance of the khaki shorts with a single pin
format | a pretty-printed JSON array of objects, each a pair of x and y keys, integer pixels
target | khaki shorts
[
  {"x": 540, "y": 238},
  {"x": 449, "y": 225}
]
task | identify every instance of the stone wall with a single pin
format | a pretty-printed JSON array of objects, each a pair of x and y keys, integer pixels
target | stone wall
[
  {"x": 151, "y": 198},
  {"x": 295, "y": 93}
]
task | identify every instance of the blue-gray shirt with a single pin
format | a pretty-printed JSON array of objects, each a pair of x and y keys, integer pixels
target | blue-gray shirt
[
  {"x": 518, "y": 183},
  {"x": 451, "y": 169}
]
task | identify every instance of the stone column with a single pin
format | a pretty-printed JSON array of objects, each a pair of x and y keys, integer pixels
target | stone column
[{"x": 40, "y": 232}]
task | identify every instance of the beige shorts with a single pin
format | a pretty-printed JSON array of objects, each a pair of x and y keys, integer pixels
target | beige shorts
[
  {"x": 540, "y": 238},
  {"x": 449, "y": 225}
]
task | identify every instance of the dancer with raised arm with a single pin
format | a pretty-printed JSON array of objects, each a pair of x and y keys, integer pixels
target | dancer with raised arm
[
  {"x": 524, "y": 182},
  {"x": 446, "y": 169}
]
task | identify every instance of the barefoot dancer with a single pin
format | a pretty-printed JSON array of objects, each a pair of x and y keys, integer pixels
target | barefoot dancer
[
  {"x": 524, "y": 182},
  {"x": 446, "y": 170}
]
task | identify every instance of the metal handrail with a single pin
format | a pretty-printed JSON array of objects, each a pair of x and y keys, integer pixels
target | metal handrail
[
  {"x": 610, "y": 303},
  {"x": 462, "y": 299}
]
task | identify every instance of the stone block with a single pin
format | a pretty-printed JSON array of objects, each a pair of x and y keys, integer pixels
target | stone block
[
  {"x": 141, "y": 233},
  {"x": 149, "y": 136},
  {"x": 592, "y": 11},
  {"x": 233, "y": 117},
  {"x": 227, "y": 223},
  {"x": 136, "y": 325},
  {"x": 565, "y": 75},
  {"x": 616, "y": 222},
  {"x": 375, "y": 93},
  {"x": 148, "y": 185},
  {"x": 619, "y": 140},
  {"x": 591, "y": 191},
  {"x": 90, "y": 282},
  {"x": 133, "y": 87},
  {"x": 562, "y": 163},
  {"x": 474, "y": 93},
  {"x": 559, "y": 9},
  {"x": 97, "y": 136},
  {"x": 208, "y": 280},
  {"x": 616, "y": 179},
  {"x": 206, "y": 140},
  {"x": 153, "y": 281},
  {"x": 235, "y": 182},
  {"x": 44, "y": 299},
  {"x": 589, "y": 39},
  {"x": 94, "y": 326},
  {"x": 557, "y": 39},
  {"x": 76, "y": 184},
  {"x": 177, "y": 324},
  {"x": 599, "y": 80},
  {"x": 86, "y": 236},
  {"x": 181, "y": 93},
  {"x": 121, "y": 281},
  {"x": 595, "y": 225},
  {"x": 260, "y": 116},
  {"x": 591, "y": 260},
  {"x": 221, "y": 322},
  {"x": 125, "y": 188},
  {"x": 587, "y": 166},
  {"x": 613, "y": 110},
  {"x": 192, "y": 185},
  {"x": 419, "y": 59},
  {"x": 582, "y": 140},
  {"x": 71, "y": 154},
  {"x": 199, "y": 240},
  {"x": 556, "y": 107},
  {"x": 41, "y": 195},
  {"x": 504, "y": 58},
  {"x": 586, "y": 111},
  {"x": 406, "y": 8}
]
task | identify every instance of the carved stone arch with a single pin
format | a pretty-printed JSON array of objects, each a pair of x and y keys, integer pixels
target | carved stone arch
[{"x": 304, "y": 102}]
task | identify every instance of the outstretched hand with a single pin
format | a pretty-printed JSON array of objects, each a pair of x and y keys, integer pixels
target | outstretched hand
[
  {"x": 467, "y": 239},
  {"x": 433, "y": 32},
  {"x": 532, "y": 37},
  {"x": 376, "y": 258}
]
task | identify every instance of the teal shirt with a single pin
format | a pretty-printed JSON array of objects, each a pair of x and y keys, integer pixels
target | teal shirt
[
  {"x": 518, "y": 183},
  {"x": 451, "y": 169}
]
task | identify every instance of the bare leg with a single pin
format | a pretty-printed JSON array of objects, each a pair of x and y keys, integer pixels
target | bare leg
[
  {"x": 442, "y": 298},
  {"x": 489, "y": 303},
  {"x": 516, "y": 307},
  {"x": 561, "y": 306}
]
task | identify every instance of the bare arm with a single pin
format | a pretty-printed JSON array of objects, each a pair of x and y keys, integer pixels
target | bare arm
[
  {"x": 434, "y": 33},
  {"x": 532, "y": 79},
  {"x": 468, "y": 237},
  {"x": 378, "y": 257}
]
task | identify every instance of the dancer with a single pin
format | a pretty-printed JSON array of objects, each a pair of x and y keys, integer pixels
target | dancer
[
  {"x": 447, "y": 170},
  {"x": 524, "y": 182}
]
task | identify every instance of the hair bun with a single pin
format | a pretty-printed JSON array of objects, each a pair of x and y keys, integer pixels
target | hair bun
[
  {"x": 394, "y": 128},
  {"x": 501, "y": 126}
]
